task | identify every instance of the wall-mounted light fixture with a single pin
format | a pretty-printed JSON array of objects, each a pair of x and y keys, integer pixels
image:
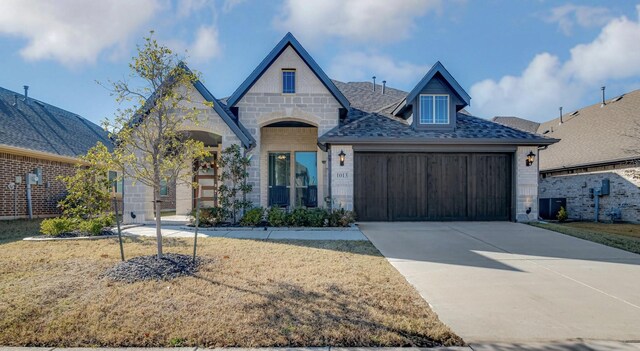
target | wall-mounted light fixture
[
  {"x": 342, "y": 156},
  {"x": 530, "y": 158}
]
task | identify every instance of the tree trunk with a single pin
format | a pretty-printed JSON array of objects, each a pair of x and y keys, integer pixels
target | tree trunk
[{"x": 156, "y": 196}]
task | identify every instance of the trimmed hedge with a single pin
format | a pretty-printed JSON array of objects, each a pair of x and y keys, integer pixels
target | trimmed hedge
[{"x": 62, "y": 225}]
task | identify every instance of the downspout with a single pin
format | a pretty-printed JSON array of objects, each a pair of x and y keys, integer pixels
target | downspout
[
  {"x": 29, "y": 208},
  {"x": 596, "y": 194},
  {"x": 329, "y": 178}
]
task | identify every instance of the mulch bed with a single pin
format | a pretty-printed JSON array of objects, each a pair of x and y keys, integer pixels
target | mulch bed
[
  {"x": 76, "y": 234},
  {"x": 143, "y": 268}
]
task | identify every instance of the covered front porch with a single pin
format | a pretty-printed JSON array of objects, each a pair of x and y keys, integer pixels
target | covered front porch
[{"x": 293, "y": 168}]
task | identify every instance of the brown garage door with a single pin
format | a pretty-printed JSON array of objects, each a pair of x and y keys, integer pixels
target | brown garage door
[{"x": 432, "y": 186}]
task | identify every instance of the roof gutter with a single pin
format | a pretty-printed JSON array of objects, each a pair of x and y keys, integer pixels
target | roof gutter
[
  {"x": 591, "y": 164},
  {"x": 452, "y": 141},
  {"x": 14, "y": 150}
]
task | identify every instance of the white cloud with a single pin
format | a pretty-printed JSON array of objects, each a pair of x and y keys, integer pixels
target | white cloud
[
  {"x": 358, "y": 66},
  {"x": 73, "y": 31},
  {"x": 360, "y": 20},
  {"x": 548, "y": 83},
  {"x": 567, "y": 16},
  {"x": 184, "y": 8},
  {"x": 229, "y": 5},
  {"x": 206, "y": 45}
]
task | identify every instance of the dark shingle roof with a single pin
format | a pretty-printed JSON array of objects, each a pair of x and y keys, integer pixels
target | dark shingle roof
[
  {"x": 362, "y": 96},
  {"x": 36, "y": 125},
  {"x": 518, "y": 123},
  {"x": 594, "y": 134},
  {"x": 372, "y": 127}
]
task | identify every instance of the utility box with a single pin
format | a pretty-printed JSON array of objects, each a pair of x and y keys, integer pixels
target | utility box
[
  {"x": 38, "y": 173},
  {"x": 605, "y": 188}
]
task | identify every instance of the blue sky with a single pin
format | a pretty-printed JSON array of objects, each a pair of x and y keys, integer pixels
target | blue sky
[{"x": 523, "y": 58}]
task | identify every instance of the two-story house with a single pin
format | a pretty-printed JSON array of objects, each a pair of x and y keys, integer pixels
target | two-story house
[{"x": 387, "y": 154}]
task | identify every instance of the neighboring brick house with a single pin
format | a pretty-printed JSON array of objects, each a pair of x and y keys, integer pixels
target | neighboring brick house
[
  {"x": 599, "y": 144},
  {"x": 36, "y": 137},
  {"x": 385, "y": 153}
]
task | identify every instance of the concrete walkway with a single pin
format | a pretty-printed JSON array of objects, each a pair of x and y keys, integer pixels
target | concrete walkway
[
  {"x": 508, "y": 282},
  {"x": 568, "y": 346},
  {"x": 257, "y": 233}
]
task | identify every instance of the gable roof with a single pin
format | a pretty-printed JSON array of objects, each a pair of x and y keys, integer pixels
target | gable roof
[
  {"x": 221, "y": 109},
  {"x": 38, "y": 126},
  {"x": 518, "y": 123},
  {"x": 287, "y": 40},
  {"x": 594, "y": 135},
  {"x": 225, "y": 113},
  {"x": 435, "y": 69}
]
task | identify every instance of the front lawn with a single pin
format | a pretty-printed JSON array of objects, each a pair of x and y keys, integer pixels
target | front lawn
[
  {"x": 18, "y": 229},
  {"x": 625, "y": 236},
  {"x": 248, "y": 293}
]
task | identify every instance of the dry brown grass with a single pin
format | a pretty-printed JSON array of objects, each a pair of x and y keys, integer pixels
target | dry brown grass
[
  {"x": 626, "y": 229},
  {"x": 250, "y": 294}
]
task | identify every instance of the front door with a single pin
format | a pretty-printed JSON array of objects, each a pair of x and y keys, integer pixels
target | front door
[
  {"x": 206, "y": 176},
  {"x": 279, "y": 178},
  {"x": 303, "y": 175}
]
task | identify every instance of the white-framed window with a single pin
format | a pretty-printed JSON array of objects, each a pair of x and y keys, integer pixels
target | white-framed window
[
  {"x": 288, "y": 81},
  {"x": 434, "y": 109}
]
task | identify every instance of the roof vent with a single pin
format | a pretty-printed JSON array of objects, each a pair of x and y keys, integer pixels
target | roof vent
[
  {"x": 560, "y": 114},
  {"x": 574, "y": 113},
  {"x": 26, "y": 92},
  {"x": 603, "y": 101},
  {"x": 15, "y": 99},
  {"x": 546, "y": 131},
  {"x": 384, "y": 85},
  {"x": 374, "y": 83},
  {"x": 618, "y": 98}
]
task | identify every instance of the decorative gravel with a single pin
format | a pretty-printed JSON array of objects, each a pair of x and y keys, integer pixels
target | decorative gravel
[{"x": 141, "y": 268}]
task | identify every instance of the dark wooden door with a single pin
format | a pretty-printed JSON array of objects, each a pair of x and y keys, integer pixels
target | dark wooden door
[{"x": 432, "y": 186}]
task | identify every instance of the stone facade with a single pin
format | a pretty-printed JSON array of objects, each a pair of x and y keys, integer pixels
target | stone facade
[
  {"x": 624, "y": 193},
  {"x": 44, "y": 198},
  {"x": 265, "y": 104},
  {"x": 342, "y": 177},
  {"x": 526, "y": 185}
]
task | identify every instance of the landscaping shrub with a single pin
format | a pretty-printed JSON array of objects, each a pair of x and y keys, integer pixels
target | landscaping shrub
[
  {"x": 209, "y": 216},
  {"x": 341, "y": 218},
  {"x": 94, "y": 226},
  {"x": 299, "y": 217},
  {"x": 276, "y": 217},
  {"x": 253, "y": 217},
  {"x": 562, "y": 214},
  {"x": 317, "y": 217},
  {"x": 57, "y": 226}
]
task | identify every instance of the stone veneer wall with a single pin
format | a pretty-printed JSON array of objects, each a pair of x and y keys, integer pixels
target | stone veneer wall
[
  {"x": 526, "y": 185},
  {"x": 138, "y": 198},
  {"x": 624, "y": 193},
  {"x": 342, "y": 177}
]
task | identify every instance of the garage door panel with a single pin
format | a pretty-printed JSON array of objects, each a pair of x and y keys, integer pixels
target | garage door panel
[
  {"x": 370, "y": 187},
  {"x": 401, "y": 186},
  {"x": 432, "y": 186}
]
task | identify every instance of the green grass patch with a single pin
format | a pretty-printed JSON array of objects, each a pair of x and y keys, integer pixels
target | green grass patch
[
  {"x": 621, "y": 236},
  {"x": 18, "y": 229}
]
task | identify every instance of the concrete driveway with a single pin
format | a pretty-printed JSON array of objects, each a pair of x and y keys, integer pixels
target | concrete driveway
[{"x": 509, "y": 282}]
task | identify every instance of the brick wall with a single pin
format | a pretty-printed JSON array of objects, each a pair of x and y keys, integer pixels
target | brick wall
[
  {"x": 624, "y": 193},
  {"x": 44, "y": 197}
]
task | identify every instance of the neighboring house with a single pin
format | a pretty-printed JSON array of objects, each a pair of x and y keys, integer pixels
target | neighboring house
[
  {"x": 599, "y": 144},
  {"x": 43, "y": 140},
  {"x": 385, "y": 153}
]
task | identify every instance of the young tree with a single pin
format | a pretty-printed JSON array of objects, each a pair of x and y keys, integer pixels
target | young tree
[
  {"x": 151, "y": 143},
  {"x": 233, "y": 189},
  {"x": 88, "y": 189}
]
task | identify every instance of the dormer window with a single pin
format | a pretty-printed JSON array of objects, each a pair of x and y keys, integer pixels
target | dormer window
[
  {"x": 434, "y": 109},
  {"x": 288, "y": 81}
]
